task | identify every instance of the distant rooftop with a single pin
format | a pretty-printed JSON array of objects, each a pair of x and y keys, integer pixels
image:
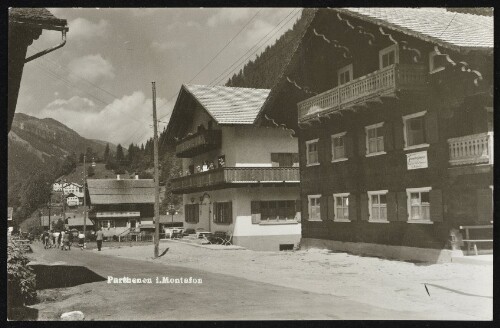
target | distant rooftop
[{"x": 123, "y": 191}]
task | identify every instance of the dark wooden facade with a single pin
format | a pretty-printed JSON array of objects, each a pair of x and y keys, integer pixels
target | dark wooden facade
[{"x": 458, "y": 117}]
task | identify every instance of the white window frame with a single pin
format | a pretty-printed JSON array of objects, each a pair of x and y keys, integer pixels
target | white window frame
[
  {"x": 340, "y": 71},
  {"x": 378, "y": 193},
  {"x": 336, "y": 218},
  {"x": 433, "y": 70},
  {"x": 369, "y": 127},
  {"x": 385, "y": 51},
  {"x": 309, "y": 197},
  {"x": 406, "y": 118},
  {"x": 334, "y": 136},
  {"x": 307, "y": 152},
  {"x": 408, "y": 204}
]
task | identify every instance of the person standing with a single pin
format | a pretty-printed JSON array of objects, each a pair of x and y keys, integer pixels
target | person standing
[
  {"x": 46, "y": 239},
  {"x": 56, "y": 240},
  {"x": 70, "y": 239},
  {"x": 81, "y": 241},
  {"x": 99, "y": 237},
  {"x": 60, "y": 241}
]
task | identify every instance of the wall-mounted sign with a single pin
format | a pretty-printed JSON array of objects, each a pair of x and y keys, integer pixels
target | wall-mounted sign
[
  {"x": 117, "y": 214},
  {"x": 417, "y": 160}
]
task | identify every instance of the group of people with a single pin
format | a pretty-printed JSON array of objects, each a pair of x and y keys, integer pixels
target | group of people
[{"x": 61, "y": 239}]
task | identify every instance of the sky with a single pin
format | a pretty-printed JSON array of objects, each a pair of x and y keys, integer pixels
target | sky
[{"x": 99, "y": 83}]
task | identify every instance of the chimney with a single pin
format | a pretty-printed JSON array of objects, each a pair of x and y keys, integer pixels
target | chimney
[
  {"x": 137, "y": 177},
  {"x": 117, "y": 177}
]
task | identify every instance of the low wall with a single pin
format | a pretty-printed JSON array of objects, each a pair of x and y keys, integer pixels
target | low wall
[
  {"x": 266, "y": 243},
  {"x": 386, "y": 251}
]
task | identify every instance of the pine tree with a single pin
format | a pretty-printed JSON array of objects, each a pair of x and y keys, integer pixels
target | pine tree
[
  {"x": 105, "y": 156},
  {"x": 119, "y": 153}
]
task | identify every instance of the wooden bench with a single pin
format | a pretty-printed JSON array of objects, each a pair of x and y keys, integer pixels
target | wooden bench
[{"x": 473, "y": 242}]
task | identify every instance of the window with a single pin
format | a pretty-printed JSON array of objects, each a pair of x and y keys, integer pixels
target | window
[
  {"x": 338, "y": 147},
  {"x": 388, "y": 56},
  {"x": 191, "y": 213},
  {"x": 375, "y": 139},
  {"x": 223, "y": 212},
  {"x": 414, "y": 130},
  {"x": 314, "y": 207},
  {"x": 377, "y": 206},
  {"x": 276, "y": 210},
  {"x": 418, "y": 204},
  {"x": 107, "y": 224},
  {"x": 345, "y": 74},
  {"x": 312, "y": 152},
  {"x": 341, "y": 207},
  {"x": 285, "y": 159},
  {"x": 436, "y": 62}
]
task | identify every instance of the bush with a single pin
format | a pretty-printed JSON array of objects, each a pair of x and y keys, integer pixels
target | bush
[{"x": 21, "y": 283}]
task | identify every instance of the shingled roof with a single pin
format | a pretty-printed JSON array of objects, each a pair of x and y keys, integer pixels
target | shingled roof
[
  {"x": 437, "y": 25},
  {"x": 229, "y": 105},
  {"x": 123, "y": 191},
  {"x": 37, "y": 16}
]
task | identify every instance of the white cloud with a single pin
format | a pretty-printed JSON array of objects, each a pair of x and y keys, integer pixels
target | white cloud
[
  {"x": 92, "y": 68},
  {"x": 171, "y": 45},
  {"x": 83, "y": 29},
  {"x": 229, "y": 15},
  {"x": 125, "y": 120}
]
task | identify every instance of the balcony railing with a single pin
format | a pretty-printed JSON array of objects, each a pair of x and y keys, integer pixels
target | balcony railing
[
  {"x": 235, "y": 175},
  {"x": 379, "y": 83},
  {"x": 471, "y": 149},
  {"x": 198, "y": 143}
]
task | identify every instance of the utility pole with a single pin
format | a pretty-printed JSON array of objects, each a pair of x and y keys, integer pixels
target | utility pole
[
  {"x": 84, "y": 199},
  {"x": 157, "y": 182}
]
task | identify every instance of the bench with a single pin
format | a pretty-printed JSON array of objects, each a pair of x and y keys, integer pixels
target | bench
[{"x": 472, "y": 243}]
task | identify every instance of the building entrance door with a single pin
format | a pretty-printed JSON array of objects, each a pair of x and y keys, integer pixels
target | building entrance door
[
  {"x": 205, "y": 216},
  {"x": 133, "y": 223}
]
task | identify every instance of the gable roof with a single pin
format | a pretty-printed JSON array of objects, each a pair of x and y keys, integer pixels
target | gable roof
[
  {"x": 123, "y": 191},
  {"x": 229, "y": 105},
  {"x": 39, "y": 17},
  {"x": 448, "y": 29}
]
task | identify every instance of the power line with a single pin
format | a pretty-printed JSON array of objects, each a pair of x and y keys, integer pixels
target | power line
[
  {"x": 227, "y": 44},
  {"x": 231, "y": 69}
]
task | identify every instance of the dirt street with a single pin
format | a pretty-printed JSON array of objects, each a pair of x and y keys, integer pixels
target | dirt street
[{"x": 243, "y": 284}]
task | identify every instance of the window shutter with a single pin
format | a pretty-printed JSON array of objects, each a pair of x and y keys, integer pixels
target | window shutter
[
  {"x": 402, "y": 206},
  {"x": 275, "y": 159},
  {"x": 331, "y": 207},
  {"x": 298, "y": 210},
  {"x": 392, "y": 206},
  {"x": 431, "y": 127},
  {"x": 484, "y": 204},
  {"x": 196, "y": 213},
  {"x": 323, "y": 208},
  {"x": 436, "y": 210},
  {"x": 362, "y": 144},
  {"x": 255, "y": 210},
  {"x": 348, "y": 144},
  {"x": 230, "y": 211},
  {"x": 353, "y": 214},
  {"x": 214, "y": 212},
  {"x": 398, "y": 135},
  {"x": 186, "y": 213},
  {"x": 388, "y": 136},
  {"x": 364, "y": 207},
  {"x": 305, "y": 207}
]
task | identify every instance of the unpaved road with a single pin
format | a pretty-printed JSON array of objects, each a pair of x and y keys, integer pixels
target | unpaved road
[{"x": 218, "y": 297}]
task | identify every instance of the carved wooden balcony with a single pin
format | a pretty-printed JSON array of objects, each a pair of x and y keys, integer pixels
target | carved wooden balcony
[
  {"x": 385, "y": 82},
  {"x": 198, "y": 143},
  {"x": 471, "y": 149},
  {"x": 231, "y": 177}
]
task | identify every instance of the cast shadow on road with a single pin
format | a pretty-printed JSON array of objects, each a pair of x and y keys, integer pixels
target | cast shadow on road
[{"x": 60, "y": 276}]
